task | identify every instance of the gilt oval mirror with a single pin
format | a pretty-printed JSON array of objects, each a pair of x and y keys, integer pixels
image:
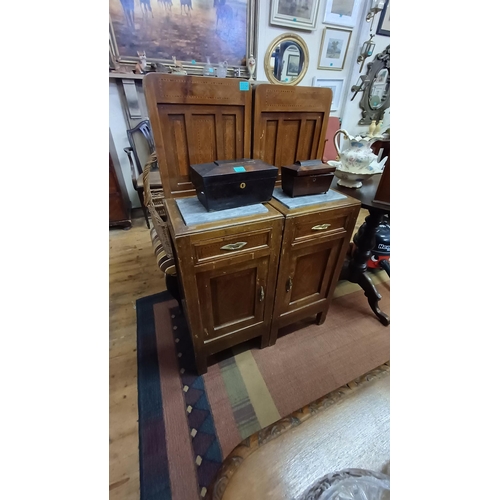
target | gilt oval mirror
[{"x": 286, "y": 59}]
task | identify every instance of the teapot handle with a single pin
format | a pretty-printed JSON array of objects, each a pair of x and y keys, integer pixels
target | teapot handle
[{"x": 337, "y": 143}]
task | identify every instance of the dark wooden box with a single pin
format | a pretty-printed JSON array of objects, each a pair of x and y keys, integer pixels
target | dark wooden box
[
  {"x": 233, "y": 183},
  {"x": 306, "y": 178}
]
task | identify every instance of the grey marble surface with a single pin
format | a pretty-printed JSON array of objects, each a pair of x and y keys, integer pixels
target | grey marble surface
[
  {"x": 193, "y": 212},
  {"x": 303, "y": 201}
]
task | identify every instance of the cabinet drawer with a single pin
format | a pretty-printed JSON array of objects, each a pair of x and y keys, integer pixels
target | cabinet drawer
[
  {"x": 232, "y": 245},
  {"x": 335, "y": 221}
]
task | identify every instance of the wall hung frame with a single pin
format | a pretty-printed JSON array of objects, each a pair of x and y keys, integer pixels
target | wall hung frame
[
  {"x": 384, "y": 27},
  {"x": 342, "y": 12},
  {"x": 223, "y": 33},
  {"x": 336, "y": 85},
  {"x": 300, "y": 15},
  {"x": 334, "y": 47}
]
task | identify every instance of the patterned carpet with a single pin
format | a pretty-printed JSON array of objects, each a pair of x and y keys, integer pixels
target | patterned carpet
[{"x": 189, "y": 424}]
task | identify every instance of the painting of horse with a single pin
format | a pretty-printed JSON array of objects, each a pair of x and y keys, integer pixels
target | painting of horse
[{"x": 190, "y": 30}]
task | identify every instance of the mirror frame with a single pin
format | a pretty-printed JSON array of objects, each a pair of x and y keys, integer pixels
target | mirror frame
[
  {"x": 267, "y": 58},
  {"x": 381, "y": 61}
]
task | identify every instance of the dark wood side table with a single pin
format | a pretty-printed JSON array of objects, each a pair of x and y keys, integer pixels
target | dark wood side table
[
  {"x": 119, "y": 203},
  {"x": 355, "y": 267}
]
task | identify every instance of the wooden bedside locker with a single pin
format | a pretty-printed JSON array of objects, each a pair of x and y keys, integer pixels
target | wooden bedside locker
[
  {"x": 227, "y": 273},
  {"x": 315, "y": 242}
]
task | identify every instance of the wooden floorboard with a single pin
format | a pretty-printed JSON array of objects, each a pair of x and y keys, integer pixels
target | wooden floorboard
[{"x": 133, "y": 273}]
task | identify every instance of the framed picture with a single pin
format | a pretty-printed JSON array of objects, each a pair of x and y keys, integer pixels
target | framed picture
[
  {"x": 383, "y": 27},
  {"x": 336, "y": 85},
  {"x": 293, "y": 65},
  {"x": 300, "y": 14},
  {"x": 189, "y": 31},
  {"x": 334, "y": 45},
  {"x": 342, "y": 12}
]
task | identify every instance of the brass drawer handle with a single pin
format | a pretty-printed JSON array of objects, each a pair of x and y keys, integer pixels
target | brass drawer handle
[
  {"x": 261, "y": 295},
  {"x": 234, "y": 246},
  {"x": 320, "y": 227},
  {"x": 289, "y": 284}
]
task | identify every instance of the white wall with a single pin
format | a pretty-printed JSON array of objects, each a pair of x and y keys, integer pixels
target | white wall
[{"x": 349, "y": 111}]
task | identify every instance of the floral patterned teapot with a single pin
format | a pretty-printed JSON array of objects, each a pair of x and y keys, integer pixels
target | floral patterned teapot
[{"x": 358, "y": 155}]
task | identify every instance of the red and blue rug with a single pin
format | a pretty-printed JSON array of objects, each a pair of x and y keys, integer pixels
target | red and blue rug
[{"x": 189, "y": 424}]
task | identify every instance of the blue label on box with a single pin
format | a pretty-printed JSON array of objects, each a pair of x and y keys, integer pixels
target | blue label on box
[
  {"x": 244, "y": 86},
  {"x": 239, "y": 169}
]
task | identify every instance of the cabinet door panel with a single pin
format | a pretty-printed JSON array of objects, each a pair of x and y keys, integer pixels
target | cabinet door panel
[
  {"x": 232, "y": 297},
  {"x": 307, "y": 272},
  {"x": 236, "y": 290}
]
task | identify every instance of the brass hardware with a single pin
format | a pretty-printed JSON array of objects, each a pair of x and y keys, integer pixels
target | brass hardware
[
  {"x": 261, "y": 297},
  {"x": 234, "y": 246},
  {"x": 243, "y": 185},
  {"x": 289, "y": 284},
  {"x": 320, "y": 227}
]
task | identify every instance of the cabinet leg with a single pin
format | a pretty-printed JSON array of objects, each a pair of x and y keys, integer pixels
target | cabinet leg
[
  {"x": 274, "y": 335},
  {"x": 201, "y": 364},
  {"x": 320, "y": 317}
]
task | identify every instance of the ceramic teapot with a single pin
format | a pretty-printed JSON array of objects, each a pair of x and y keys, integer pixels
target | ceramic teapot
[{"x": 358, "y": 155}]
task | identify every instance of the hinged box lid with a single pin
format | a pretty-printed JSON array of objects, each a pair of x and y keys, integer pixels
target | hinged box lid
[
  {"x": 235, "y": 170},
  {"x": 309, "y": 167}
]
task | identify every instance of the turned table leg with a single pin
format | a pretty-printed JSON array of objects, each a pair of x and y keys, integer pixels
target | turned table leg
[
  {"x": 355, "y": 269},
  {"x": 366, "y": 283}
]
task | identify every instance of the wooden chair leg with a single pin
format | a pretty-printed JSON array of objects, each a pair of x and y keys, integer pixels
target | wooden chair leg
[{"x": 140, "y": 193}]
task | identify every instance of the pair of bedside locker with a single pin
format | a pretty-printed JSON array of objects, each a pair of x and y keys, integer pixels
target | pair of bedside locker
[{"x": 247, "y": 272}]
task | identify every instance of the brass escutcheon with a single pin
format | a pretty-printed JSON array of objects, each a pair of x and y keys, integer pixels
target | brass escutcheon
[
  {"x": 234, "y": 246},
  {"x": 243, "y": 185},
  {"x": 320, "y": 227}
]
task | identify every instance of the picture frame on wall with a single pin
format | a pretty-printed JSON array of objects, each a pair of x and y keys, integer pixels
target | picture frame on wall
[
  {"x": 342, "y": 12},
  {"x": 300, "y": 14},
  {"x": 383, "y": 27},
  {"x": 337, "y": 86},
  {"x": 334, "y": 46},
  {"x": 165, "y": 33}
]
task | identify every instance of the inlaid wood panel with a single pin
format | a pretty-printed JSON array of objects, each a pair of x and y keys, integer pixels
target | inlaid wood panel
[
  {"x": 233, "y": 297},
  {"x": 313, "y": 266},
  {"x": 289, "y": 124},
  {"x": 196, "y": 120},
  {"x": 308, "y": 270}
]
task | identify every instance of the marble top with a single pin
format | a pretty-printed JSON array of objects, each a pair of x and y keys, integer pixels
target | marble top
[
  {"x": 302, "y": 201},
  {"x": 193, "y": 212}
]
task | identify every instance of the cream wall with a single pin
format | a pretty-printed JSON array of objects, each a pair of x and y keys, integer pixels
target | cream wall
[{"x": 349, "y": 111}]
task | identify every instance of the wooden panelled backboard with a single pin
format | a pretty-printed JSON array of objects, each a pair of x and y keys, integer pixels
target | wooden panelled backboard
[
  {"x": 289, "y": 123},
  {"x": 196, "y": 119}
]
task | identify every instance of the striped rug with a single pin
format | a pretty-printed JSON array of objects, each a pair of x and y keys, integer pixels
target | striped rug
[{"x": 189, "y": 424}]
